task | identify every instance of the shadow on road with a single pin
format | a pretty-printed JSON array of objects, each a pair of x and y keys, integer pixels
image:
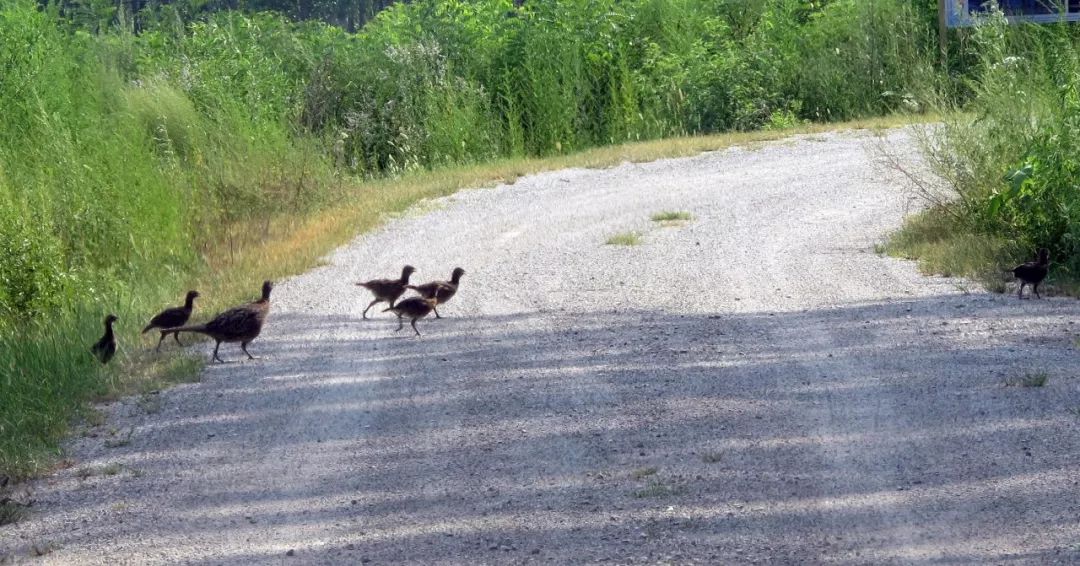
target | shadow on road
[{"x": 871, "y": 433}]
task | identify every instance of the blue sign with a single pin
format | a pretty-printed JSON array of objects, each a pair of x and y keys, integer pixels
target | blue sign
[{"x": 961, "y": 13}]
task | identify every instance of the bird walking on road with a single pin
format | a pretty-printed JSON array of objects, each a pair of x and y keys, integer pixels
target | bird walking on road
[
  {"x": 171, "y": 318},
  {"x": 105, "y": 348},
  {"x": 1032, "y": 273},
  {"x": 413, "y": 308},
  {"x": 387, "y": 289},
  {"x": 445, "y": 290},
  {"x": 241, "y": 324}
]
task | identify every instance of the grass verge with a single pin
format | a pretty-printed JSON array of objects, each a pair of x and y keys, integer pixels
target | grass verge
[{"x": 941, "y": 246}]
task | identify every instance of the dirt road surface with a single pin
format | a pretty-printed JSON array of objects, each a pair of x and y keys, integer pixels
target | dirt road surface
[{"x": 755, "y": 385}]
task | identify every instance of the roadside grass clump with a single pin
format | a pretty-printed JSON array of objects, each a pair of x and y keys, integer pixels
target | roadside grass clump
[
  {"x": 119, "y": 441},
  {"x": 94, "y": 471},
  {"x": 625, "y": 239},
  {"x": 711, "y": 457},
  {"x": 671, "y": 217},
  {"x": 1033, "y": 379},
  {"x": 659, "y": 487},
  {"x": 942, "y": 247},
  {"x": 12, "y": 512}
]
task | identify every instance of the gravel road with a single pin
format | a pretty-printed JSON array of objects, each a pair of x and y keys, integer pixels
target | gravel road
[{"x": 755, "y": 385}]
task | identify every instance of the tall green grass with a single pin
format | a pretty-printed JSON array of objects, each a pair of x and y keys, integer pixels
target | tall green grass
[{"x": 136, "y": 165}]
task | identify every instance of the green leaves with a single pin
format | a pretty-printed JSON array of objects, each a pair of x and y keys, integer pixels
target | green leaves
[{"x": 1018, "y": 180}]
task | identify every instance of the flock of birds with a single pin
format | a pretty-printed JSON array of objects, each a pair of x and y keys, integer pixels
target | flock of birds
[{"x": 244, "y": 323}]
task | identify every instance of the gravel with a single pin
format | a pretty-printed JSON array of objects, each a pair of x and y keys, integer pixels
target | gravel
[{"x": 753, "y": 385}]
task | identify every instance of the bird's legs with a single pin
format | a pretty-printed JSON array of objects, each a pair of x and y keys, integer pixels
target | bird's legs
[
  {"x": 371, "y": 304},
  {"x": 216, "y": 346}
]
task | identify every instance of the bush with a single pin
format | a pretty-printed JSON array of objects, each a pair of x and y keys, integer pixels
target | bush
[{"x": 1012, "y": 156}]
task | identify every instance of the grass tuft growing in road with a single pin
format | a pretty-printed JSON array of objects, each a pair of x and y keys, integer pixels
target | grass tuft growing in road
[
  {"x": 710, "y": 457},
  {"x": 11, "y": 512},
  {"x": 672, "y": 217},
  {"x": 659, "y": 487},
  {"x": 1036, "y": 379},
  {"x": 625, "y": 239}
]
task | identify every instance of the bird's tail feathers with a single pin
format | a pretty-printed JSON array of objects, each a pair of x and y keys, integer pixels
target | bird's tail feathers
[{"x": 179, "y": 329}]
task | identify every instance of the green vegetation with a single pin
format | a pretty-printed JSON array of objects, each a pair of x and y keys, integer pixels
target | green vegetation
[
  {"x": 1037, "y": 379},
  {"x": 711, "y": 457},
  {"x": 11, "y": 512},
  {"x": 1008, "y": 161},
  {"x": 624, "y": 239},
  {"x": 671, "y": 216},
  {"x": 185, "y": 146},
  {"x": 660, "y": 487}
]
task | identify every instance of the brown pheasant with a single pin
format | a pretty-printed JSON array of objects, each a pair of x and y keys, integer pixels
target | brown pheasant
[
  {"x": 241, "y": 324},
  {"x": 444, "y": 289},
  {"x": 413, "y": 308},
  {"x": 171, "y": 318},
  {"x": 387, "y": 289}
]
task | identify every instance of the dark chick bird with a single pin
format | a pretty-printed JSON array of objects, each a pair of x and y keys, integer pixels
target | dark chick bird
[
  {"x": 444, "y": 289},
  {"x": 1033, "y": 272},
  {"x": 412, "y": 308},
  {"x": 387, "y": 289},
  {"x": 171, "y": 318},
  {"x": 105, "y": 348},
  {"x": 241, "y": 324}
]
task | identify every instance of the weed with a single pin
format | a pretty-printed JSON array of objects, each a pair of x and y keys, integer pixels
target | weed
[
  {"x": 659, "y": 487},
  {"x": 93, "y": 471},
  {"x": 150, "y": 403},
  {"x": 710, "y": 457},
  {"x": 1037, "y": 379},
  {"x": 625, "y": 239},
  {"x": 11, "y": 512},
  {"x": 120, "y": 442},
  {"x": 93, "y": 417},
  {"x": 671, "y": 217}
]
